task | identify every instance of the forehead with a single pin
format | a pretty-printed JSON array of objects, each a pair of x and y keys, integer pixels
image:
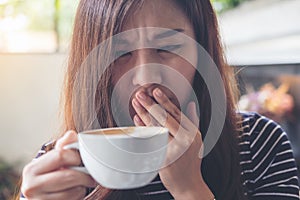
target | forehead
[{"x": 158, "y": 13}]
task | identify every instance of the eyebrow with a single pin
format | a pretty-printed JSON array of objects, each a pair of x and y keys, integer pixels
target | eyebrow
[
  {"x": 168, "y": 33},
  {"x": 162, "y": 35}
]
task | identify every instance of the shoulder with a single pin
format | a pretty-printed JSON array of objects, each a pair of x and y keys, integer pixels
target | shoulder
[
  {"x": 267, "y": 161},
  {"x": 251, "y": 122},
  {"x": 257, "y": 128},
  {"x": 263, "y": 136}
]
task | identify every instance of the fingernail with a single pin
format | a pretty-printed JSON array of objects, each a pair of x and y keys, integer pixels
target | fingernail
[
  {"x": 136, "y": 118},
  {"x": 158, "y": 92},
  {"x": 141, "y": 96},
  {"x": 136, "y": 103}
]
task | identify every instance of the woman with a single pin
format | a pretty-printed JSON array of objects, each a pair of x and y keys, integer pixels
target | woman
[{"x": 252, "y": 158}]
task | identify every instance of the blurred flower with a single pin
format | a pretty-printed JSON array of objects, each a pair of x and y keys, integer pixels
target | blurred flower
[{"x": 272, "y": 102}]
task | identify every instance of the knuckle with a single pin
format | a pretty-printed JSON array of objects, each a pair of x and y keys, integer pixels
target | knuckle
[
  {"x": 58, "y": 143},
  {"x": 164, "y": 101},
  {"x": 185, "y": 139},
  {"x": 29, "y": 169},
  {"x": 60, "y": 156},
  {"x": 28, "y": 190},
  {"x": 70, "y": 176},
  {"x": 28, "y": 187},
  {"x": 176, "y": 113},
  {"x": 147, "y": 119}
]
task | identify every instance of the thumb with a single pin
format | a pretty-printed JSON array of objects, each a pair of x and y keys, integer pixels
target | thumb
[
  {"x": 192, "y": 113},
  {"x": 69, "y": 137}
]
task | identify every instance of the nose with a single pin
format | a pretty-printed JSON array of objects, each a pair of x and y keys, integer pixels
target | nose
[{"x": 147, "y": 70}]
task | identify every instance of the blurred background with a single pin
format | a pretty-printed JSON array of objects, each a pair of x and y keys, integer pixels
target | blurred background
[{"x": 261, "y": 38}]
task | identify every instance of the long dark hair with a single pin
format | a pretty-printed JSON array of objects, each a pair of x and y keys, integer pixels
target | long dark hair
[{"x": 97, "y": 20}]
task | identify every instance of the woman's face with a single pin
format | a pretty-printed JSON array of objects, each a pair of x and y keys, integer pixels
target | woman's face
[{"x": 148, "y": 68}]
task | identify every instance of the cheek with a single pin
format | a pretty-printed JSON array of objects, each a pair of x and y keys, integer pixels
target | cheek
[
  {"x": 185, "y": 69},
  {"x": 118, "y": 71},
  {"x": 183, "y": 85}
]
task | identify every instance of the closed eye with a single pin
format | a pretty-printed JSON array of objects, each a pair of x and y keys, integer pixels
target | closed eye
[
  {"x": 169, "y": 48},
  {"x": 120, "y": 54}
]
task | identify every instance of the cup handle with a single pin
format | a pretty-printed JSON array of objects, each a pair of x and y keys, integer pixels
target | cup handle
[{"x": 75, "y": 146}]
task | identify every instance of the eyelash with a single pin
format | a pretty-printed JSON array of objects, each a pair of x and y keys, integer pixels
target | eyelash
[
  {"x": 120, "y": 54},
  {"x": 164, "y": 49},
  {"x": 169, "y": 48}
]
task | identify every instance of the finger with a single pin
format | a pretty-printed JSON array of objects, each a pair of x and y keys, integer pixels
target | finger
[
  {"x": 170, "y": 138},
  {"x": 68, "y": 138},
  {"x": 53, "y": 160},
  {"x": 143, "y": 114},
  {"x": 192, "y": 113},
  {"x": 184, "y": 132},
  {"x": 137, "y": 121},
  {"x": 64, "y": 179},
  {"x": 162, "y": 117},
  {"x": 165, "y": 102}
]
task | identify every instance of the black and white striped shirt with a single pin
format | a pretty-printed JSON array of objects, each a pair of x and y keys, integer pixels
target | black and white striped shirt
[{"x": 268, "y": 166}]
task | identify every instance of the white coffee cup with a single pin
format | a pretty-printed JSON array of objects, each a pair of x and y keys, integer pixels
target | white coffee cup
[{"x": 122, "y": 157}]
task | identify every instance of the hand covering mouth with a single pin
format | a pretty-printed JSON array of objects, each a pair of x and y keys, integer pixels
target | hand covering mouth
[{"x": 148, "y": 89}]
